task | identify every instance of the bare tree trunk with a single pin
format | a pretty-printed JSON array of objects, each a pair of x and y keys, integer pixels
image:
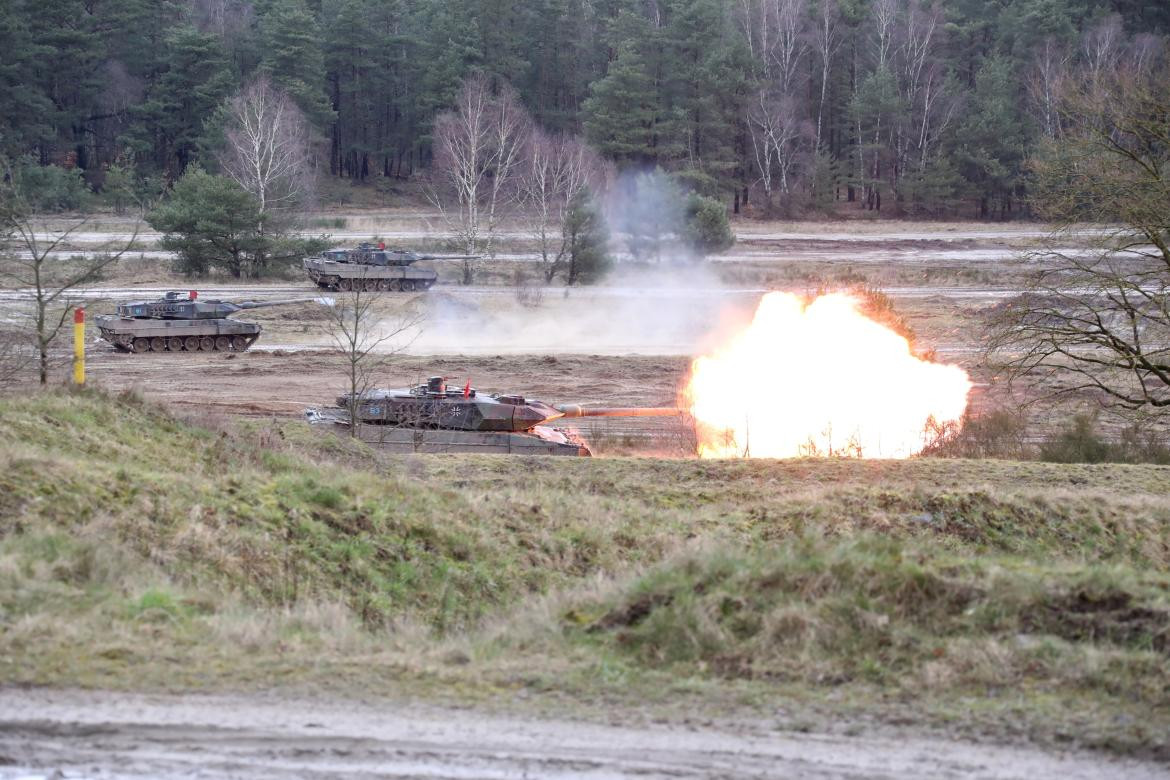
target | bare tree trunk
[{"x": 33, "y": 267}]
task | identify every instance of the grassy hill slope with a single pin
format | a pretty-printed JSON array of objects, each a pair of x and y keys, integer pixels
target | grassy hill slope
[{"x": 138, "y": 550}]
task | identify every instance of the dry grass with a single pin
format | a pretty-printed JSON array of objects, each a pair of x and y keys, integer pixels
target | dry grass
[{"x": 138, "y": 550}]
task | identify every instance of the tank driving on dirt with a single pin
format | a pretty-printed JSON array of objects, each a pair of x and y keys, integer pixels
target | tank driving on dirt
[
  {"x": 182, "y": 322},
  {"x": 433, "y": 417},
  {"x": 373, "y": 268}
]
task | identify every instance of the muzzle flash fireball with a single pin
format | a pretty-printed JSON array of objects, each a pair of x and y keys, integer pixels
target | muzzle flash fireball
[{"x": 824, "y": 380}]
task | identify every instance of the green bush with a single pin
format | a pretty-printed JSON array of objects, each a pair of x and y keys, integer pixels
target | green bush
[
  {"x": 706, "y": 228},
  {"x": 1082, "y": 442},
  {"x": 49, "y": 188}
]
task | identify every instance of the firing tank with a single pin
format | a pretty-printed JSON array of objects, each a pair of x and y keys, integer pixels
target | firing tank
[
  {"x": 180, "y": 322},
  {"x": 373, "y": 268},
  {"x": 433, "y": 417}
]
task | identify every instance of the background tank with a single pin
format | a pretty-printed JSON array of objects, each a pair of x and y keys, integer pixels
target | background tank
[
  {"x": 183, "y": 323},
  {"x": 435, "y": 418},
  {"x": 373, "y": 268}
]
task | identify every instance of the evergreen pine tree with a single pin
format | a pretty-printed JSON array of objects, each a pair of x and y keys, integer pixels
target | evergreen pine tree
[
  {"x": 294, "y": 59},
  {"x": 991, "y": 142},
  {"x": 24, "y": 105},
  {"x": 172, "y": 121},
  {"x": 622, "y": 110},
  {"x": 588, "y": 240}
]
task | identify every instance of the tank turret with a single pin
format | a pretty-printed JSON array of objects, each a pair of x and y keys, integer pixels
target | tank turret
[
  {"x": 183, "y": 322},
  {"x": 434, "y": 406},
  {"x": 373, "y": 267},
  {"x": 177, "y": 306}
]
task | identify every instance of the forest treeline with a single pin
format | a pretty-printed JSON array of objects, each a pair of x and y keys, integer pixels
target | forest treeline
[{"x": 777, "y": 106}]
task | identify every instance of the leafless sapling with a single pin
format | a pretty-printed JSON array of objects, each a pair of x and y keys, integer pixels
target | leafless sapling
[
  {"x": 32, "y": 261},
  {"x": 368, "y": 335}
]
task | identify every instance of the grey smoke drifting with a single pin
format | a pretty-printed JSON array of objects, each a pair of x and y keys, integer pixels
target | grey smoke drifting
[
  {"x": 670, "y": 311},
  {"x": 658, "y": 300}
]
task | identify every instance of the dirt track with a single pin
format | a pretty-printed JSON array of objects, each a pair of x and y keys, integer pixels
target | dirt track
[
  {"x": 47, "y": 734},
  {"x": 282, "y": 384}
]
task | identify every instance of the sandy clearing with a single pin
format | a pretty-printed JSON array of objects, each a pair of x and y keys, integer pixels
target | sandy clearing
[{"x": 46, "y": 733}]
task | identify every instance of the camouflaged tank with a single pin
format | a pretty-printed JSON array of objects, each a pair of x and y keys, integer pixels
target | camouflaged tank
[
  {"x": 373, "y": 268},
  {"x": 180, "y": 322},
  {"x": 433, "y": 417}
]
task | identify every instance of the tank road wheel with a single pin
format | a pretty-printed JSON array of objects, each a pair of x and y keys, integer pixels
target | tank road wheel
[
  {"x": 407, "y": 285},
  {"x": 157, "y": 344},
  {"x": 206, "y": 343},
  {"x": 393, "y": 285},
  {"x": 371, "y": 285},
  {"x": 174, "y": 344},
  {"x": 383, "y": 285},
  {"x": 345, "y": 285},
  {"x": 140, "y": 345},
  {"x": 240, "y": 343},
  {"x": 223, "y": 343},
  {"x": 191, "y": 343}
]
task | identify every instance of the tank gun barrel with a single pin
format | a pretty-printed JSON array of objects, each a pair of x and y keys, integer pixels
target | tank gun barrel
[
  {"x": 450, "y": 257},
  {"x": 575, "y": 410},
  {"x": 264, "y": 304}
]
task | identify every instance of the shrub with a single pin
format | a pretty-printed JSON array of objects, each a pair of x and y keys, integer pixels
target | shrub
[
  {"x": 706, "y": 228},
  {"x": 49, "y": 188}
]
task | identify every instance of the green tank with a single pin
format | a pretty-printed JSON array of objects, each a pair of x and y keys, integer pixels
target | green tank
[
  {"x": 180, "y": 322},
  {"x": 373, "y": 268},
  {"x": 433, "y": 417}
]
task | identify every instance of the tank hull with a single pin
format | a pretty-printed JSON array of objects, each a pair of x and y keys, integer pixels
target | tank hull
[
  {"x": 384, "y": 278},
  {"x": 540, "y": 440},
  {"x": 155, "y": 335}
]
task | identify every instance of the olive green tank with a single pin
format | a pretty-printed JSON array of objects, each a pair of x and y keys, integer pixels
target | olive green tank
[
  {"x": 180, "y": 322},
  {"x": 433, "y": 417},
  {"x": 373, "y": 268}
]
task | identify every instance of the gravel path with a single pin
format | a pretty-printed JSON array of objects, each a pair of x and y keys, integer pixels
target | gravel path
[{"x": 76, "y": 734}]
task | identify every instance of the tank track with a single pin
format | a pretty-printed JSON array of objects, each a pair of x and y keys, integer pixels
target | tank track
[
  {"x": 378, "y": 285},
  {"x": 140, "y": 345}
]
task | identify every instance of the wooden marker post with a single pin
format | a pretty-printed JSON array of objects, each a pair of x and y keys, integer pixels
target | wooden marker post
[{"x": 79, "y": 346}]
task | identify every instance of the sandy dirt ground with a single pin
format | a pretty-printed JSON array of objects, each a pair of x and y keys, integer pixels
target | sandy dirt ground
[
  {"x": 267, "y": 383},
  {"x": 76, "y": 734},
  {"x": 626, "y": 342}
]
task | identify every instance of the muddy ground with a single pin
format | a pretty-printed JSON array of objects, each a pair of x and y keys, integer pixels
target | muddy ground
[{"x": 78, "y": 734}]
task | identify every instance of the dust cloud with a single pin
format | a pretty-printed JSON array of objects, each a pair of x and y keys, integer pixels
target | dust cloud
[
  {"x": 658, "y": 300},
  {"x": 658, "y": 310}
]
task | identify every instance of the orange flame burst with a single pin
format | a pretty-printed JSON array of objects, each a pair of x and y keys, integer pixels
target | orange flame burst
[{"x": 819, "y": 378}]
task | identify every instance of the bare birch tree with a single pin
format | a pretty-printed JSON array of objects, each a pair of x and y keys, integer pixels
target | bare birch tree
[
  {"x": 478, "y": 151},
  {"x": 557, "y": 168},
  {"x": 922, "y": 84},
  {"x": 269, "y": 150},
  {"x": 826, "y": 42},
  {"x": 776, "y": 35},
  {"x": 779, "y": 140},
  {"x": 1101, "y": 47},
  {"x": 1045, "y": 83}
]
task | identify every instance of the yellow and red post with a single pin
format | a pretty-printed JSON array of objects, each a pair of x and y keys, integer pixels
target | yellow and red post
[{"x": 79, "y": 346}]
